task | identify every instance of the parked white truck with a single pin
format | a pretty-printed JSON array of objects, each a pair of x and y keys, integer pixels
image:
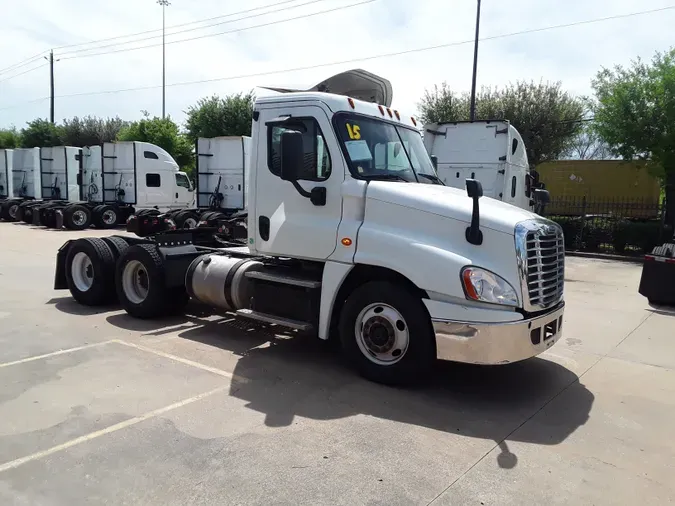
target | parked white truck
[
  {"x": 6, "y": 187},
  {"x": 491, "y": 151},
  {"x": 350, "y": 235},
  {"x": 23, "y": 177},
  {"x": 118, "y": 179}
]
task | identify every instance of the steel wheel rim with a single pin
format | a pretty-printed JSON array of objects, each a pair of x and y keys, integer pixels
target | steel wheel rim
[
  {"x": 82, "y": 271},
  {"x": 109, "y": 217},
  {"x": 190, "y": 223},
  {"x": 382, "y": 334},
  {"x": 12, "y": 210},
  {"x": 135, "y": 282},
  {"x": 79, "y": 218}
]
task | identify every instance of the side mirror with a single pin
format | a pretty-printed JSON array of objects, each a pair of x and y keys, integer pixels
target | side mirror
[
  {"x": 535, "y": 177},
  {"x": 397, "y": 149},
  {"x": 292, "y": 155},
  {"x": 434, "y": 162},
  {"x": 474, "y": 188},
  {"x": 542, "y": 196}
]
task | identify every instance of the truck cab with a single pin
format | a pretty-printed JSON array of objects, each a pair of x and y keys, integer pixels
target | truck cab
[{"x": 491, "y": 151}]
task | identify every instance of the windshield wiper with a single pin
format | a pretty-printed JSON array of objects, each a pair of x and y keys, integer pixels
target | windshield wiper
[
  {"x": 385, "y": 177},
  {"x": 435, "y": 179}
]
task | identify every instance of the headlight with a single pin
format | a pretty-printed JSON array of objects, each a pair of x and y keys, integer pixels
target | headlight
[{"x": 485, "y": 286}]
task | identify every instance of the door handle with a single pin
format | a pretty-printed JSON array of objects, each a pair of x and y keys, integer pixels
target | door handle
[{"x": 176, "y": 194}]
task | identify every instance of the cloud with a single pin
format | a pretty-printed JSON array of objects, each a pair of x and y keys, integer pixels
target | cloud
[{"x": 572, "y": 55}]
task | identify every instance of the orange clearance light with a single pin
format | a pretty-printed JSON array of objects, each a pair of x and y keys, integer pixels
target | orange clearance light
[
  {"x": 389, "y": 112},
  {"x": 413, "y": 121},
  {"x": 351, "y": 102},
  {"x": 398, "y": 116},
  {"x": 381, "y": 110},
  {"x": 346, "y": 241}
]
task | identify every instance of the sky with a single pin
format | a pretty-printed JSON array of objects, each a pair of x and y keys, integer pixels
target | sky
[{"x": 319, "y": 43}]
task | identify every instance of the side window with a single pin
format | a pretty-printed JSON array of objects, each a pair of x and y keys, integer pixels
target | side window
[
  {"x": 317, "y": 166},
  {"x": 514, "y": 146},
  {"x": 514, "y": 181},
  {"x": 153, "y": 181},
  {"x": 151, "y": 155},
  {"x": 182, "y": 180}
]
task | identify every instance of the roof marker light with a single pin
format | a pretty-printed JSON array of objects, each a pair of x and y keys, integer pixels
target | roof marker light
[
  {"x": 398, "y": 116},
  {"x": 351, "y": 102},
  {"x": 389, "y": 112},
  {"x": 381, "y": 110},
  {"x": 413, "y": 121}
]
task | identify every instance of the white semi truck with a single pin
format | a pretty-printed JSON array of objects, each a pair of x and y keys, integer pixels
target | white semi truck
[
  {"x": 491, "y": 151},
  {"x": 6, "y": 187},
  {"x": 119, "y": 179},
  {"x": 351, "y": 236},
  {"x": 22, "y": 179}
]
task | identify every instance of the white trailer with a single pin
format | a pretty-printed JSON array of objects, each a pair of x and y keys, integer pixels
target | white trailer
[
  {"x": 25, "y": 181},
  {"x": 345, "y": 242},
  {"x": 491, "y": 151}
]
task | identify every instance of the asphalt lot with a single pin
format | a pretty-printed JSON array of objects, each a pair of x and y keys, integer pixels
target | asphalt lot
[{"x": 99, "y": 408}]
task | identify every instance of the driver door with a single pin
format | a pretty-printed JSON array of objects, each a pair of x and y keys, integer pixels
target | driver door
[{"x": 288, "y": 224}]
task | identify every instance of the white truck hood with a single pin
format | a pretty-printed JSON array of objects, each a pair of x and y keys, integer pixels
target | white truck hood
[{"x": 448, "y": 202}]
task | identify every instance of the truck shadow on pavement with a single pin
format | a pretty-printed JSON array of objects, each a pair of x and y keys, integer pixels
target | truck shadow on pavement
[{"x": 284, "y": 376}]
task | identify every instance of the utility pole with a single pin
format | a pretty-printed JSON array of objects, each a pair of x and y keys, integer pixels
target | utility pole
[
  {"x": 164, "y": 4},
  {"x": 472, "y": 112},
  {"x": 51, "y": 85}
]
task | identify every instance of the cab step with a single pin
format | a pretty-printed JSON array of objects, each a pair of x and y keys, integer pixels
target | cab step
[
  {"x": 283, "y": 279},
  {"x": 276, "y": 320}
]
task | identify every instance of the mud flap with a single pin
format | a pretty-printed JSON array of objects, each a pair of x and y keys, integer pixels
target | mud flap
[{"x": 60, "y": 282}]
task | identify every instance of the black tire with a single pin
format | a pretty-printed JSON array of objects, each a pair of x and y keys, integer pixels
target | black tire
[
  {"x": 101, "y": 272},
  {"x": 77, "y": 217},
  {"x": 106, "y": 217},
  {"x": 117, "y": 245},
  {"x": 158, "y": 299},
  {"x": 96, "y": 216},
  {"x": 417, "y": 360},
  {"x": 9, "y": 210},
  {"x": 186, "y": 219}
]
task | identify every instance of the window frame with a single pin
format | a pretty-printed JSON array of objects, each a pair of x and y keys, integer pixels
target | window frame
[
  {"x": 189, "y": 186},
  {"x": 159, "y": 180},
  {"x": 295, "y": 120}
]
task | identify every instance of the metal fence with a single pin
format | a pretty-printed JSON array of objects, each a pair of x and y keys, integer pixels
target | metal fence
[{"x": 626, "y": 227}]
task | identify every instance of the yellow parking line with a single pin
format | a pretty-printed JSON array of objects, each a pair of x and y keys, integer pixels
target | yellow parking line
[
  {"x": 204, "y": 367},
  {"x": 54, "y": 354},
  {"x": 108, "y": 430}
]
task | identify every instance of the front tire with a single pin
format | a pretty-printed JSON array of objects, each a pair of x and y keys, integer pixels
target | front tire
[
  {"x": 90, "y": 266},
  {"x": 387, "y": 335},
  {"x": 141, "y": 287}
]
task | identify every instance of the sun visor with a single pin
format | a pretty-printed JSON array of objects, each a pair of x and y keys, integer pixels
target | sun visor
[{"x": 357, "y": 84}]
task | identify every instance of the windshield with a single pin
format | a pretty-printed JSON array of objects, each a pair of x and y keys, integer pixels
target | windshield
[{"x": 377, "y": 149}]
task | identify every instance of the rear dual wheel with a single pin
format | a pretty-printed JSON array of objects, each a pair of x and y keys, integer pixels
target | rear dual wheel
[{"x": 105, "y": 216}]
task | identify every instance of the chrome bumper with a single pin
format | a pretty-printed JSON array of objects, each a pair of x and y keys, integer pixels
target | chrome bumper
[{"x": 497, "y": 343}]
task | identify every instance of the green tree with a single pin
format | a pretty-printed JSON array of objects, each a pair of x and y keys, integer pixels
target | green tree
[
  {"x": 635, "y": 115},
  {"x": 215, "y": 116},
  {"x": 547, "y": 117},
  {"x": 163, "y": 133},
  {"x": 9, "y": 138},
  {"x": 40, "y": 133},
  {"x": 90, "y": 130}
]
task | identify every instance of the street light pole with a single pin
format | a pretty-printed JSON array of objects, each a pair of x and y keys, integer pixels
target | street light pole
[
  {"x": 472, "y": 111},
  {"x": 164, "y": 4}
]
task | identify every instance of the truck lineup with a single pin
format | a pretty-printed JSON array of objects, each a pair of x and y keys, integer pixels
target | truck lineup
[{"x": 348, "y": 233}]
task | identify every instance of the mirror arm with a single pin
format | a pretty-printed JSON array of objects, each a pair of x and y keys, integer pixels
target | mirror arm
[{"x": 300, "y": 189}]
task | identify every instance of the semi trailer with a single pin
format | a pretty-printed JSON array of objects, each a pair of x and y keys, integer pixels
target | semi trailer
[
  {"x": 119, "y": 179},
  {"x": 6, "y": 187},
  {"x": 343, "y": 241},
  {"x": 491, "y": 151}
]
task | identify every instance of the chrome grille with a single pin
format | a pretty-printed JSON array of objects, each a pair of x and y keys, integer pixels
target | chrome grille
[{"x": 541, "y": 260}]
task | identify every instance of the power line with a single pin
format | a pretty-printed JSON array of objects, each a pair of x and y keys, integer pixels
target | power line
[
  {"x": 373, "y": 57},
  {"x": 24, "y": 103},
  {"x": 303, "y": 16},
  {"x": 22, "y": 73},
  {"x": 176, "y": 26},
  {"x": 38, "y": 56},
  {"x": 356, "y": 60},
  {"x": 23, "y": 63}
]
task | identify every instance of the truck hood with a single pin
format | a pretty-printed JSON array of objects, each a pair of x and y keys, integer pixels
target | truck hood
[{"x": 448, "y": 202}]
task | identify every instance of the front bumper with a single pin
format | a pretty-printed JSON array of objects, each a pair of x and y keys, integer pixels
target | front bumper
[{"x": 497, "y": 343}]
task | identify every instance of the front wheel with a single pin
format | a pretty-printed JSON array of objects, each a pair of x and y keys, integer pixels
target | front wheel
[{"x": 387, "y": 335}]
